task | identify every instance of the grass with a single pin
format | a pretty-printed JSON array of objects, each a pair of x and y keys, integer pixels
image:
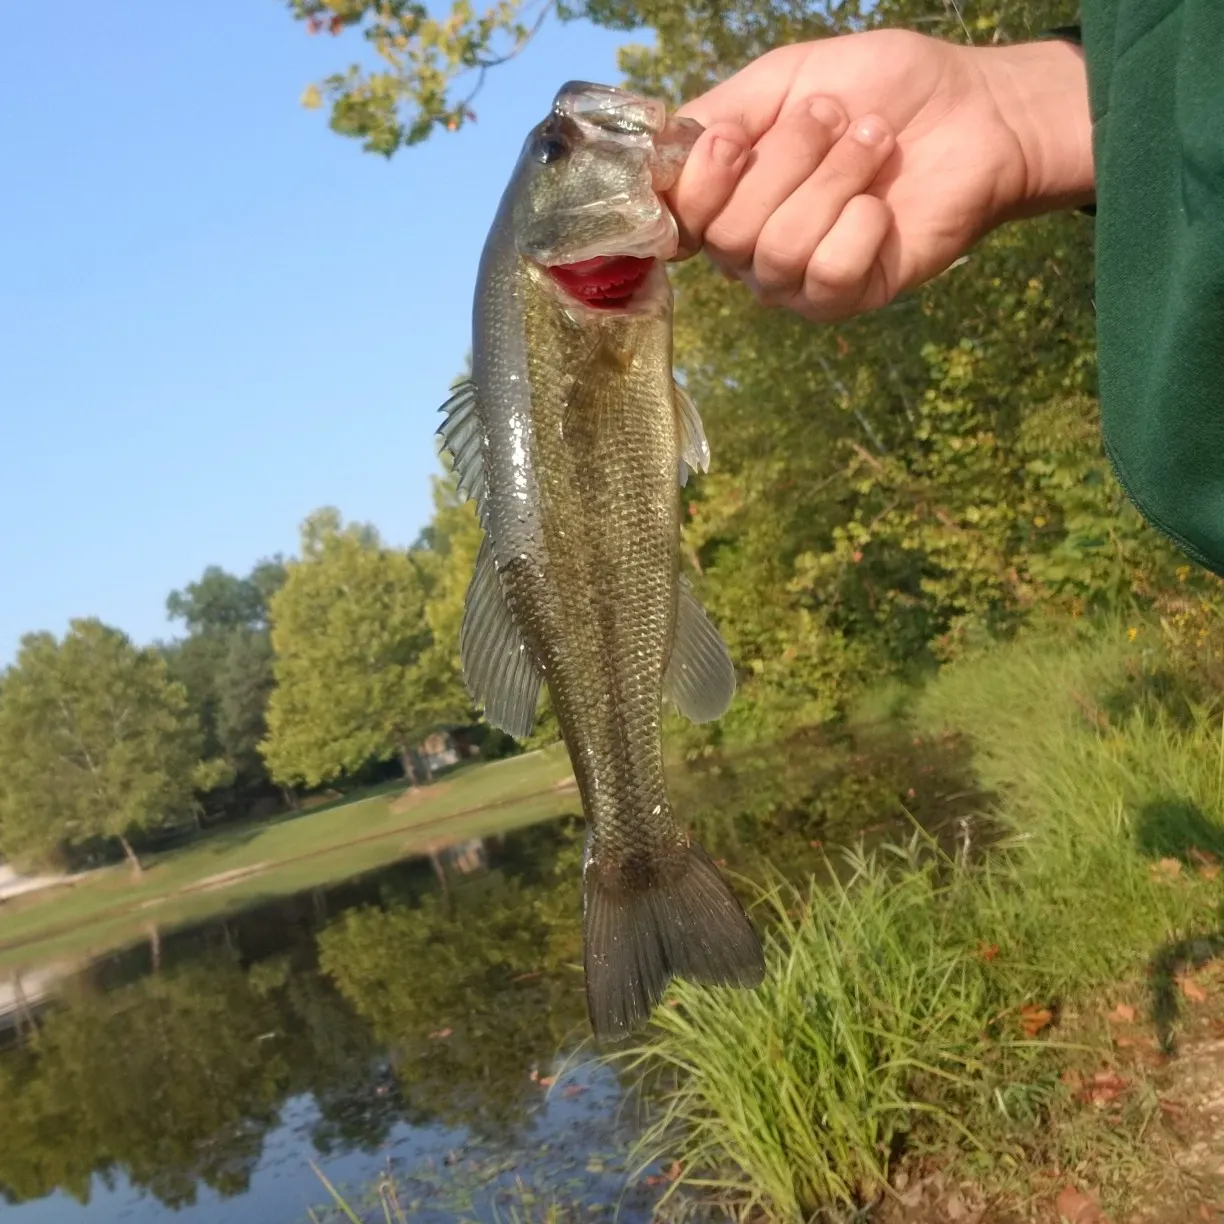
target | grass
[
  {"x": 252, "y": 862},
  {"x": 921, "y": 1005}
]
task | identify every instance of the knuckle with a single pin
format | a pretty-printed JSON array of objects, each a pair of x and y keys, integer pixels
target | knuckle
[
  {"x": 729, "y": 246},
  {"x": 776, "y": 264},
  {"x": 829, "y": 274}
]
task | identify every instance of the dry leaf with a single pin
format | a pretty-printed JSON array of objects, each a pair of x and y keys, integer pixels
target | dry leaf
[
  {"x": 1204, "y": 857},
  {"x": 1123, "y": 1013},
  {"x": 1209, "y": 871},
  {"x": 441, "y": 1034},
  {"x": 988, "y": 951},
  {"x": 1169, "y": 867},
  {"x": 1076, "y": 1207},
  {"x": 1193, "y": 991},
  {"x": 1104, "y": 1087},
  {"x": 1034, "y": 1019}
]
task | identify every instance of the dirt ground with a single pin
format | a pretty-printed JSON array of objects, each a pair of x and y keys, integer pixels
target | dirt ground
[{"x": 1181, "y": 1142}]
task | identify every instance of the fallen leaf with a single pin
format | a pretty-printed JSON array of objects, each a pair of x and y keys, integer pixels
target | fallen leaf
[
  {"x": 988, "y": 951},
  {"x": 1076, "y": 1207},
  {"x": 1171, "y": 1107},
  {"x": 441, "y": 1034},
  {"x": 1034, "y": 1019},
  {"x": 1104, "y": 1088},
  {"x": 1193, "y": 991},
  {"x": 1209, "y": 871},
  {"x": 1204, "y": 1212},
  {"x": 1152, "y": 1058},
  {"x": 1204, "y": 857},
  {"x": 1123, "y": 1013},
  {"x": 1168, "y": 867}
]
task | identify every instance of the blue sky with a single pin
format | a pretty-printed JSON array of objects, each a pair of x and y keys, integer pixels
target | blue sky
[{"x": 215, "y": 314}]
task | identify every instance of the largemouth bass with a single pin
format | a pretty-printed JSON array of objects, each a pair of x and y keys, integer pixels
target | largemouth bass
[{"x": 574, "y": 438}]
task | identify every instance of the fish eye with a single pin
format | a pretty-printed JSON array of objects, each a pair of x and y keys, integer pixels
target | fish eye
[{"x": 549, "y": 147}]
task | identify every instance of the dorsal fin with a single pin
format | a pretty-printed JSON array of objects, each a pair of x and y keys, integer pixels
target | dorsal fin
[
  {"x": 497, "y": 667},
  {"x": 462, "y": 434}
]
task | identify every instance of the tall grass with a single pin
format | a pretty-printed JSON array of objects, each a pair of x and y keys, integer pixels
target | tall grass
[{"x": 892, "y": 1009}]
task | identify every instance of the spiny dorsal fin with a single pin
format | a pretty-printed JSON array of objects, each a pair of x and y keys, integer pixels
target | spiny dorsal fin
[
  {"x": 497, "y": 667},
  {"x": 694, "y": 449},
  {"x": 700, "y": 677},
  {"x": 462, "y": 437}
]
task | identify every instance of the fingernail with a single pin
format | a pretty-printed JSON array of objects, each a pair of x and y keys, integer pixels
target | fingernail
[
  {"x": 725, "y": 152},
  {"x": 826, "y": 112},
  {"x": 871, "y": 131}
]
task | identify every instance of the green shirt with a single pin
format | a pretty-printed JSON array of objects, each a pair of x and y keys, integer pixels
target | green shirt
[{"x": 1156, "y": 81}]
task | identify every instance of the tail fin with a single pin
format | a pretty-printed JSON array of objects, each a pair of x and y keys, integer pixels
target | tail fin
[{"x": 642, "y": 927}]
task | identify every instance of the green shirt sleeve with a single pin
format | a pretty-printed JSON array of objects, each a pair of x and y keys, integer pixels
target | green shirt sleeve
[{"x": 1156, "y": 82}]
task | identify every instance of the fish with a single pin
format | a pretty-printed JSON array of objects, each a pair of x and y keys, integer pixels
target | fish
[{"x": 575, "y": 440}]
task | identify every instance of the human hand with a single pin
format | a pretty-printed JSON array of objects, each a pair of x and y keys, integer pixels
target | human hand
[{"x": 835, "y": 174}]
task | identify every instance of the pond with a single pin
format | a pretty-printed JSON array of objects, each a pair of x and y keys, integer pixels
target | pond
[{"x": 426, "y": 1019}]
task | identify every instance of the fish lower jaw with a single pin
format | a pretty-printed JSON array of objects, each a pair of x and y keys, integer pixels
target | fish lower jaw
[{"x": 604, "y": 282}]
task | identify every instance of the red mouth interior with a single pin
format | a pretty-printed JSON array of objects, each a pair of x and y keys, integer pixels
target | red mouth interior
[{"x": 605, "y": 282}]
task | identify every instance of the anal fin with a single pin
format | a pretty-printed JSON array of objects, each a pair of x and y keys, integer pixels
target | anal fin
[{"x": 700, "y": 678}]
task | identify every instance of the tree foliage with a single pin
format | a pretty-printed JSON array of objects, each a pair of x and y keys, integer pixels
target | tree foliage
[
  {"x": 96, "y": 741},
  {"x": 350, "y": 634}
]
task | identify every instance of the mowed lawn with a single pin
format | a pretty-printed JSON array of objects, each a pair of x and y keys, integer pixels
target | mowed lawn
[{"x": 230, "y": 868}]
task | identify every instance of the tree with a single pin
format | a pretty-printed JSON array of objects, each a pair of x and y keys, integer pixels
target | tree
[
  {"x": 225, "y": 664},
  {"x": 349, "y": 629},
  {"x": 96, "y": 740},
  {"x": 424, "y": 69}
]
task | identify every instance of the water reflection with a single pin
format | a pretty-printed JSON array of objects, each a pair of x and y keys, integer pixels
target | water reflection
[
  {"x": 412, "y": 1017},
  {"x": 393, "y": 1009}
]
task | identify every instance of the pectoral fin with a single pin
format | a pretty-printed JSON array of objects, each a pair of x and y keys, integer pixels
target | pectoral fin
[
  {"x": 701, "y": 677},
  {"x": 694, "y": 449},
  {"x": 498, "y": 669}
]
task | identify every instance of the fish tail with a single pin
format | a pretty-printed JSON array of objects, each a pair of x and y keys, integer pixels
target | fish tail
[{"x": 646, "y": 922}]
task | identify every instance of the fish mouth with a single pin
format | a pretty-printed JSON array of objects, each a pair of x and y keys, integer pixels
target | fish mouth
[{"x": 606, "y": 282}]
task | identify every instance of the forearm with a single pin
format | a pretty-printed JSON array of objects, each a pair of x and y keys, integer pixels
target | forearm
[{"x": 1041, "y": 92}]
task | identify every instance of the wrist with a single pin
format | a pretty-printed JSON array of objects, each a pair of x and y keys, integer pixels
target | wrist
[{"x": 1040, "y": 90}]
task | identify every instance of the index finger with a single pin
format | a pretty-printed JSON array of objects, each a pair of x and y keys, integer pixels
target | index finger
[{"x": 753, "y": 98}]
